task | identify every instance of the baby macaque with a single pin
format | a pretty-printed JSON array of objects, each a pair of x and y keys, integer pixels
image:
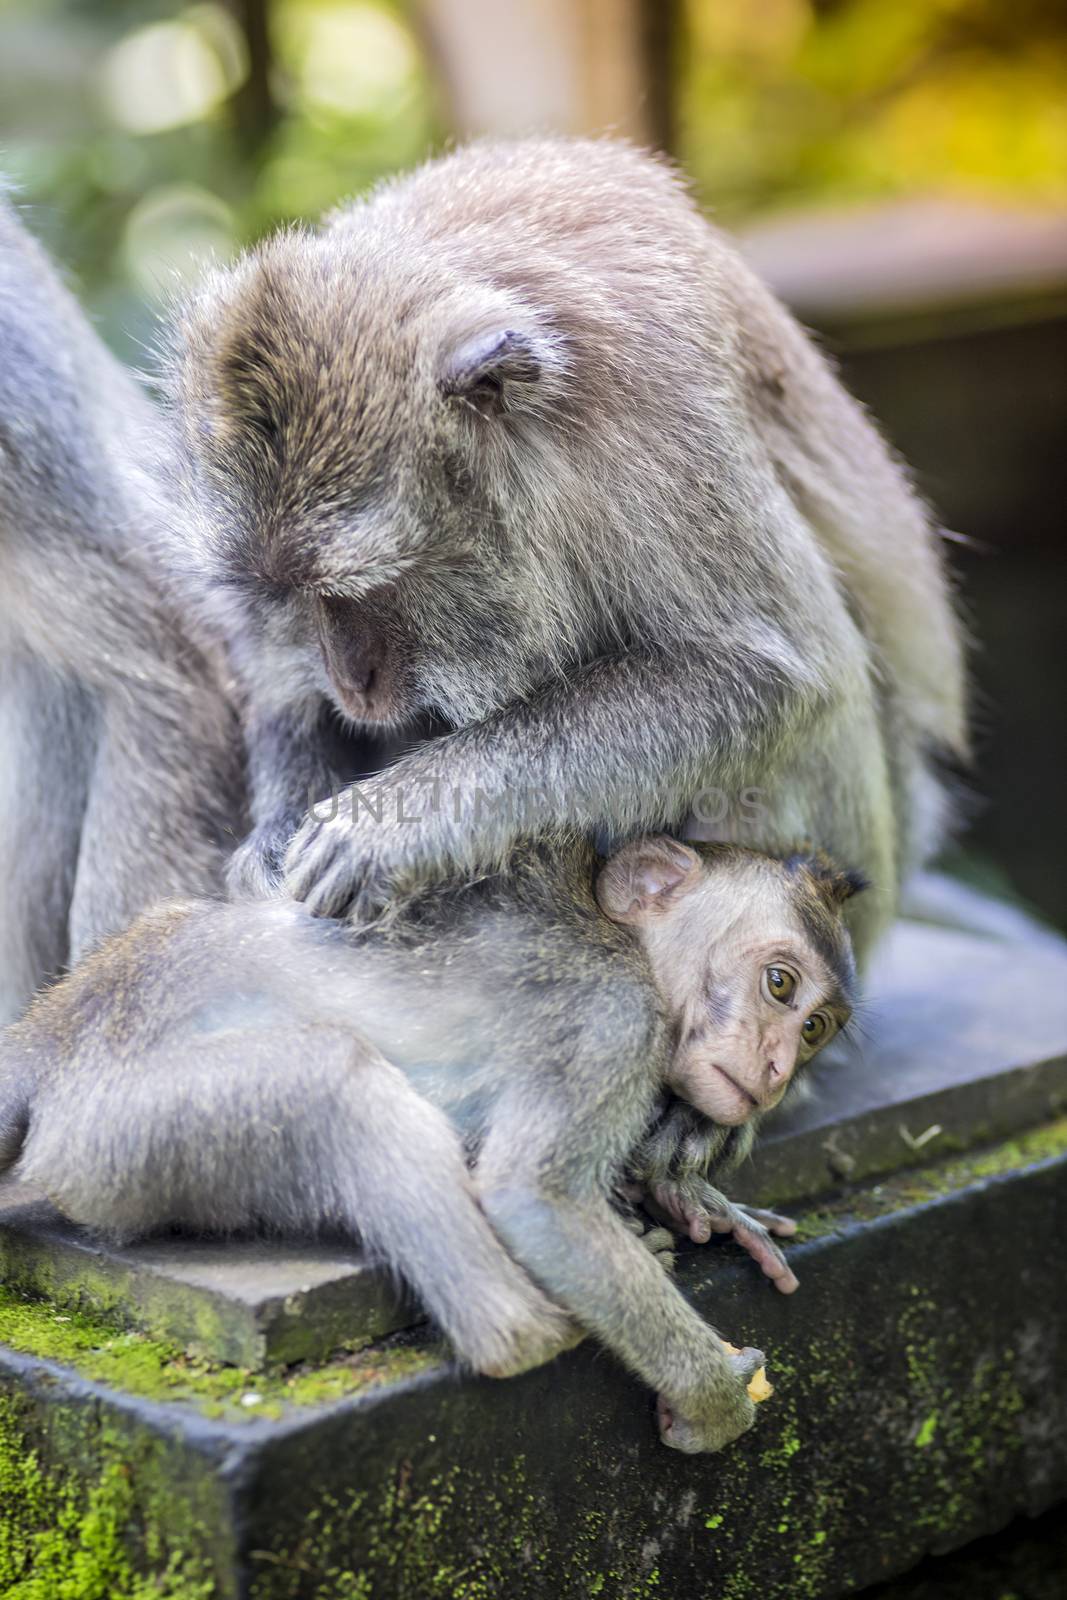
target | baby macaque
[{"x": 462, "y": 1089}]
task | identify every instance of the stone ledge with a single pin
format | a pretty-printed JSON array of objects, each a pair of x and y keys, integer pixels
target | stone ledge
[
  {"x": 250, "y": 1302},
  {"x": 921, "y": 1401}
]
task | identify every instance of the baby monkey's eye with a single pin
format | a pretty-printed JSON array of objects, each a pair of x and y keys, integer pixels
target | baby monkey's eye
[
  {"x": 815, "y": 1030},
  {"x": 781, "y": 985}
]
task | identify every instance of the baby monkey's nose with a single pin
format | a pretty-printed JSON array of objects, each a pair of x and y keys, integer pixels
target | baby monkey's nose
[{"x": 778, "y": 1069}]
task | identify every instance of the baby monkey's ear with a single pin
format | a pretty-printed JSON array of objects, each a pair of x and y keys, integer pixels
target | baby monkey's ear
[{"x": 646, "y": 877}]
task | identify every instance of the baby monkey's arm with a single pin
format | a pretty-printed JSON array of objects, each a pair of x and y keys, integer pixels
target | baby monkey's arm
[
  {"x": 667, "y": 1175},
  {"x": 543, "y": 1177}
]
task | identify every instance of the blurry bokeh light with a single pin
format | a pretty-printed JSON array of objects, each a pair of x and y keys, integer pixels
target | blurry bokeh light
[
  {"x": 171, "y": 234},
  {"x": 349, "y": 59},
  {"x": 801, "y": 102},
  {"x": 116, "y": 112},
  {"x": 171, "y": 73}
]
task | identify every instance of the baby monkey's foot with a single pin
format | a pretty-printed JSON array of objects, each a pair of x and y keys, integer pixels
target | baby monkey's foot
[
  {"x": 523, "y": 1338},
  {"x": 658, "y": 1241},
  {"x": 699, "y": 1211}
]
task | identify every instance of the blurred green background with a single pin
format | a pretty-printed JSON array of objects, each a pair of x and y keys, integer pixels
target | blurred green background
[
  {"x": 897, "y": 169},
  {"x": 154, "y": 132}
]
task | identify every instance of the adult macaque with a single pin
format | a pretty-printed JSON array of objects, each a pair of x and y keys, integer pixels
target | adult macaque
[
  {"x": 120, "y": 763},
  {"x": 519, "y": 441},
  {"x": 226, "y": 1066}
]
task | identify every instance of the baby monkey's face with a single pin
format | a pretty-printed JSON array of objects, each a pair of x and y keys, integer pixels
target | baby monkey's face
[{"x": 751, "y": 958}]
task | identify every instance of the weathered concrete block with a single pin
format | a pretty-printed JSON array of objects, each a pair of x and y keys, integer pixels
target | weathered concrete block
[
  {"x": 921, "y": 1400},
  {"x": 248, "y": 1302}
]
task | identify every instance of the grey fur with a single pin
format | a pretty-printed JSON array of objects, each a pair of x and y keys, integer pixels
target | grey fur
[
  {"x": 575, "y": 481},
  {"x": 120, "y": 754},
  {"x": 523, "y": 434},
  {"x": 225, "y": 1066}
]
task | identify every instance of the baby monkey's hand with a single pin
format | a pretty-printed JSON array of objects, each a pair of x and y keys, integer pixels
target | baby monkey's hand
[
  {"x": 698, "y": 1210},
  {"x": 718, "y": 1417}
]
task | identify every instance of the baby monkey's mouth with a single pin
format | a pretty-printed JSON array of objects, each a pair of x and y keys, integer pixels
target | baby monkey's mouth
[{"x": 739, "y": 1087}]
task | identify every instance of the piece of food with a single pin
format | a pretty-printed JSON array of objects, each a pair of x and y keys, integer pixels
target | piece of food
[{"x": 757, "y": 1387}]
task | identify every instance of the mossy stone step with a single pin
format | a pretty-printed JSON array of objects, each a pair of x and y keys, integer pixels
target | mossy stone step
[{"x": 921, "y": 1400}]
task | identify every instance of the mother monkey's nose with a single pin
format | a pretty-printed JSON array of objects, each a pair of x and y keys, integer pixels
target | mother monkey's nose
[{"x": 351, "y": 648}]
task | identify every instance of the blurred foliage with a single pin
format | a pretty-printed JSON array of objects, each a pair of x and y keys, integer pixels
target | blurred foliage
[
  {"x": 156, "y": 134},
  {"x": 153, "y": 132},
  {"x": 795, "y": 101}
]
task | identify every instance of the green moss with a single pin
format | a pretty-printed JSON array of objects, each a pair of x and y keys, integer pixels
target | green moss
[
  {"x": 408, "y": 1548},
  {"x": 400, "y": 1532},
  {"x": 892, "y": 1380},
  {"x": 922, "y": 1184},
  {"x": 65, "y": 1535},
  {"x": 964, "y": 1434},
  {"x": 966, "y": 1430},
  {"x": 926, "y": 1431},
  {"x": 124, "y": 1298},
  {"x": 155, "y": 1370}
]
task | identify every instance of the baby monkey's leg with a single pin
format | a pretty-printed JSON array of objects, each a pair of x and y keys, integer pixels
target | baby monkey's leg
[
  {"x": 405, "y": 1187},
  {"x": 539, "y": 1187},
  {"x": 299, "y": 1129}
]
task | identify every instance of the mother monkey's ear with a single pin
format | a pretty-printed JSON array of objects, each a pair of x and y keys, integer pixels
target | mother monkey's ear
[
  {"x": 647, "y": 878},
  {"x": 490, "y": 369}
]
